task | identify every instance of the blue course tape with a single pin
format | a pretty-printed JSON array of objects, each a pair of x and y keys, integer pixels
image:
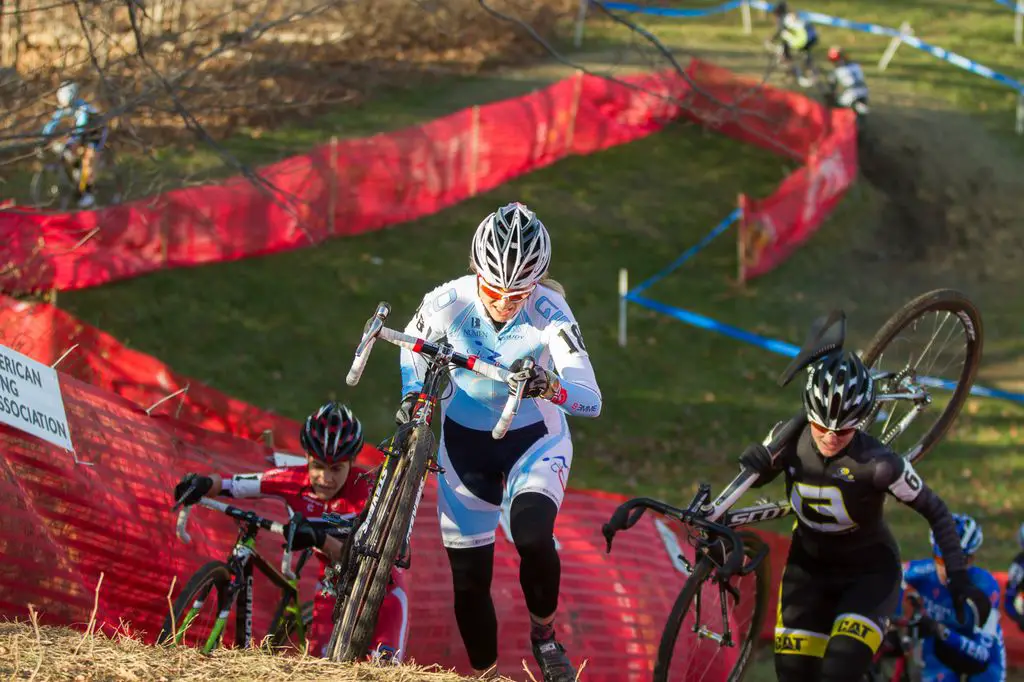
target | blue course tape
[
  {"x": 780, "y": 347},
  {"x": 826, "y": 20},
  {"x": 690, "y": 252},
  {"x": 673, "y": 12},
  {"x": 1008, "y": 3},
  {"x": 788, "y": 349}
]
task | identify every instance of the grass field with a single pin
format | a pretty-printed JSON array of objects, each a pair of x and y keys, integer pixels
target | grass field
[{"x": 680, "y": 403}]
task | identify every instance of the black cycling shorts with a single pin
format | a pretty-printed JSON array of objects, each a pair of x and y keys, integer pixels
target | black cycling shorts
[{"x": 839, "y": 596}]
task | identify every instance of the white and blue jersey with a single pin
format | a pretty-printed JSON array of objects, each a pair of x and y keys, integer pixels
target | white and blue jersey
[
  {"x": 83, "y": 115},
  {"x": 978, "y": 651},
  {"x": 536, "y": 454}
]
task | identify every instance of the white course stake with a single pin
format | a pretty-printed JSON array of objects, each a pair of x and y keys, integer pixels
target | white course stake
[
  {"x": 623, "y": 290},
  {"x": 894, "y": 44}
]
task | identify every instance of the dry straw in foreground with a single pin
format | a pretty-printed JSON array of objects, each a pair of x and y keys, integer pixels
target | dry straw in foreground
[{"x": 29, "y": 651}]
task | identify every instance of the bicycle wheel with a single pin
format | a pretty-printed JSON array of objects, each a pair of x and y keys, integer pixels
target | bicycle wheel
[
  {"x": 951, "y": 326},
  {"x": 283, "y": 632},
  {"x": 194, "y": 616},
  {"x": 696, "y": 655},
  {"x": 50, "y": 187},
  {"x": 354, "y": 629}
]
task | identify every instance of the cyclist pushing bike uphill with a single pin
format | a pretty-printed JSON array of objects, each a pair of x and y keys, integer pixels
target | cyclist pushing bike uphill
[
  {"x": 507, "y": 309},
  {"x": 842, "y": 576},
  {"x": 331, "y": 493}
]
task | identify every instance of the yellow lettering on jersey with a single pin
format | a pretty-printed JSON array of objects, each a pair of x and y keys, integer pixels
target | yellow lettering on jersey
[
  {"x": 800, "y": 642},
  {"x": 859, "y": 628}
]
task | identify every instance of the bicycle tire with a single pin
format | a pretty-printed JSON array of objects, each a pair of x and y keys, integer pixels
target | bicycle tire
[
  {"x": 359, "y": 615},
  {"x": 214, "y": 575},
  {"x": 701, "y": 572},
  {"x": 282, "y": 628},
  {"x": 939, "y": 300},
  {"x": 48, "y": 186}
]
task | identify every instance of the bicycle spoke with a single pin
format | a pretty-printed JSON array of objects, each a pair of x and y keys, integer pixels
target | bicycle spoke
[
  {"x": 706, "y": 648},
  {"x": 931, "y": 349}
]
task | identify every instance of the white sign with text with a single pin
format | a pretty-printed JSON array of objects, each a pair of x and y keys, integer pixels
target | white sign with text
[{"x": 30, "y": 398}]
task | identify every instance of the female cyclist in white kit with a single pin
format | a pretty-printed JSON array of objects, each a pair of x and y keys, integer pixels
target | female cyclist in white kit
[{"x": 505, "y": 311}]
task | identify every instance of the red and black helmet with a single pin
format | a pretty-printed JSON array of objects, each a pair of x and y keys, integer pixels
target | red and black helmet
[
  {"x": 835, "y": 54},
  {"x": 332, "y": 434}
]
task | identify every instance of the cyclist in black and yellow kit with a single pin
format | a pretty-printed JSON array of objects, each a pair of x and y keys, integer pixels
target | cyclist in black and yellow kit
[{"x": 843, "y": 572}]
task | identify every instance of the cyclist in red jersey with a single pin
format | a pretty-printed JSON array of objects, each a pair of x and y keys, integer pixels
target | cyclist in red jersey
[{"x": 331, "y": 437}]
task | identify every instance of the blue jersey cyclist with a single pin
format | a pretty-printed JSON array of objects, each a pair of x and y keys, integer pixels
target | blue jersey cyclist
[
  {"x": 507, "y": 310},
  {"x": 952, "y": 651},
  {"x": 86, "y": 138},
  {"x": 1014, "y": 601}
]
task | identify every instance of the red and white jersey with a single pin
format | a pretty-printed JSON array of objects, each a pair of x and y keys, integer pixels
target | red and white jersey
[{"x": 291, "y": 485}]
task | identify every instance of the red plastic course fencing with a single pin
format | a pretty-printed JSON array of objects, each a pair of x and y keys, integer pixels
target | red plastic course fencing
[
  {"x": 357, "y": 185},
  {"x": 64, "y": 524}
]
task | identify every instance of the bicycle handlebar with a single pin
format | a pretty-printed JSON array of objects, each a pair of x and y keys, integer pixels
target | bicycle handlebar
[
  {"x": 375, "y": 329},
  {"x": 241, "y": 515},
  {"x": 704, "y": 515},
  {"x": 628, "y": 514}
]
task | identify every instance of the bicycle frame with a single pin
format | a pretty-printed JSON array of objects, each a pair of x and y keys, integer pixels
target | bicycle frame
[
  {"x": 244, "y": 556},
  {"x": 440, "y": 357}
]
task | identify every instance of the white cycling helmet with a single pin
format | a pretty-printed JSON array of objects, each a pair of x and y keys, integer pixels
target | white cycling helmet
[
  {"x": 66, "y": 93},
  {"x": 511, "y": 248},
  {"x": 840, "y": 392}
]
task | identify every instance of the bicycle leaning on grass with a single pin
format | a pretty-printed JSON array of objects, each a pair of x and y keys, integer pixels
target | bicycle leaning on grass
[{"x": 722, "y": 555}]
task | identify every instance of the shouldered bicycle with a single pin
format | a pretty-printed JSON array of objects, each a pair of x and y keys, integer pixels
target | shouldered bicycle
[{"x": 722, "y": 555}]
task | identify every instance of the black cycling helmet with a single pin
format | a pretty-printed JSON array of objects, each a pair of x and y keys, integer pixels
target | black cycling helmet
[
  {"x": 332, "y": 434},
  {"x": 781, "y": 8},
  {"x": 840, "y": 392}
]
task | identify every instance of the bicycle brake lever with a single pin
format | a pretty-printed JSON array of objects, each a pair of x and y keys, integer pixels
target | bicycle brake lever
[
  {"x": 609, "y": 535},
  {"x": 731, "y": 589},
  {"x": 181, "y": 500}
]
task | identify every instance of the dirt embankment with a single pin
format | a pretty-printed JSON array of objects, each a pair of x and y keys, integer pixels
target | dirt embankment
[{"x": 952, "y": 193}]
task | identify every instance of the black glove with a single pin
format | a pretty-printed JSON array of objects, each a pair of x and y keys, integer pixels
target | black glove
[
  {"x": 304, "y": 534},
  {"x": 966, "y": 595},
  {"x": 407, "y": 409},
  {"x": 757, "y": 458},
  {"x": 192, "y": 488},
  {"x": 540, "y": 383},
  {"x": 930, "y": 628}
]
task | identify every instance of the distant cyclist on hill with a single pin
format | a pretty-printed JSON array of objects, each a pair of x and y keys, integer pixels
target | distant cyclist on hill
[
  {"x": 847, "y": 88},
  {"x": 1014, "y": 600},
  {"x": 86, "y": 139},
  {"x": 797, "y": 37}
]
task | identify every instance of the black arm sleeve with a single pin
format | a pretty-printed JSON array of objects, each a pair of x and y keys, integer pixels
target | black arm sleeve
[
  {"x": 894, "y": 473},
  {"x": 788, "y": 450}
]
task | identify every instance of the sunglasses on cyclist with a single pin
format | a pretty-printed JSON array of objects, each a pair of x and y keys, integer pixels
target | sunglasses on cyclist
[
  {"x": 510, "y": 295},
  {"x": 821, "y": 430}
]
